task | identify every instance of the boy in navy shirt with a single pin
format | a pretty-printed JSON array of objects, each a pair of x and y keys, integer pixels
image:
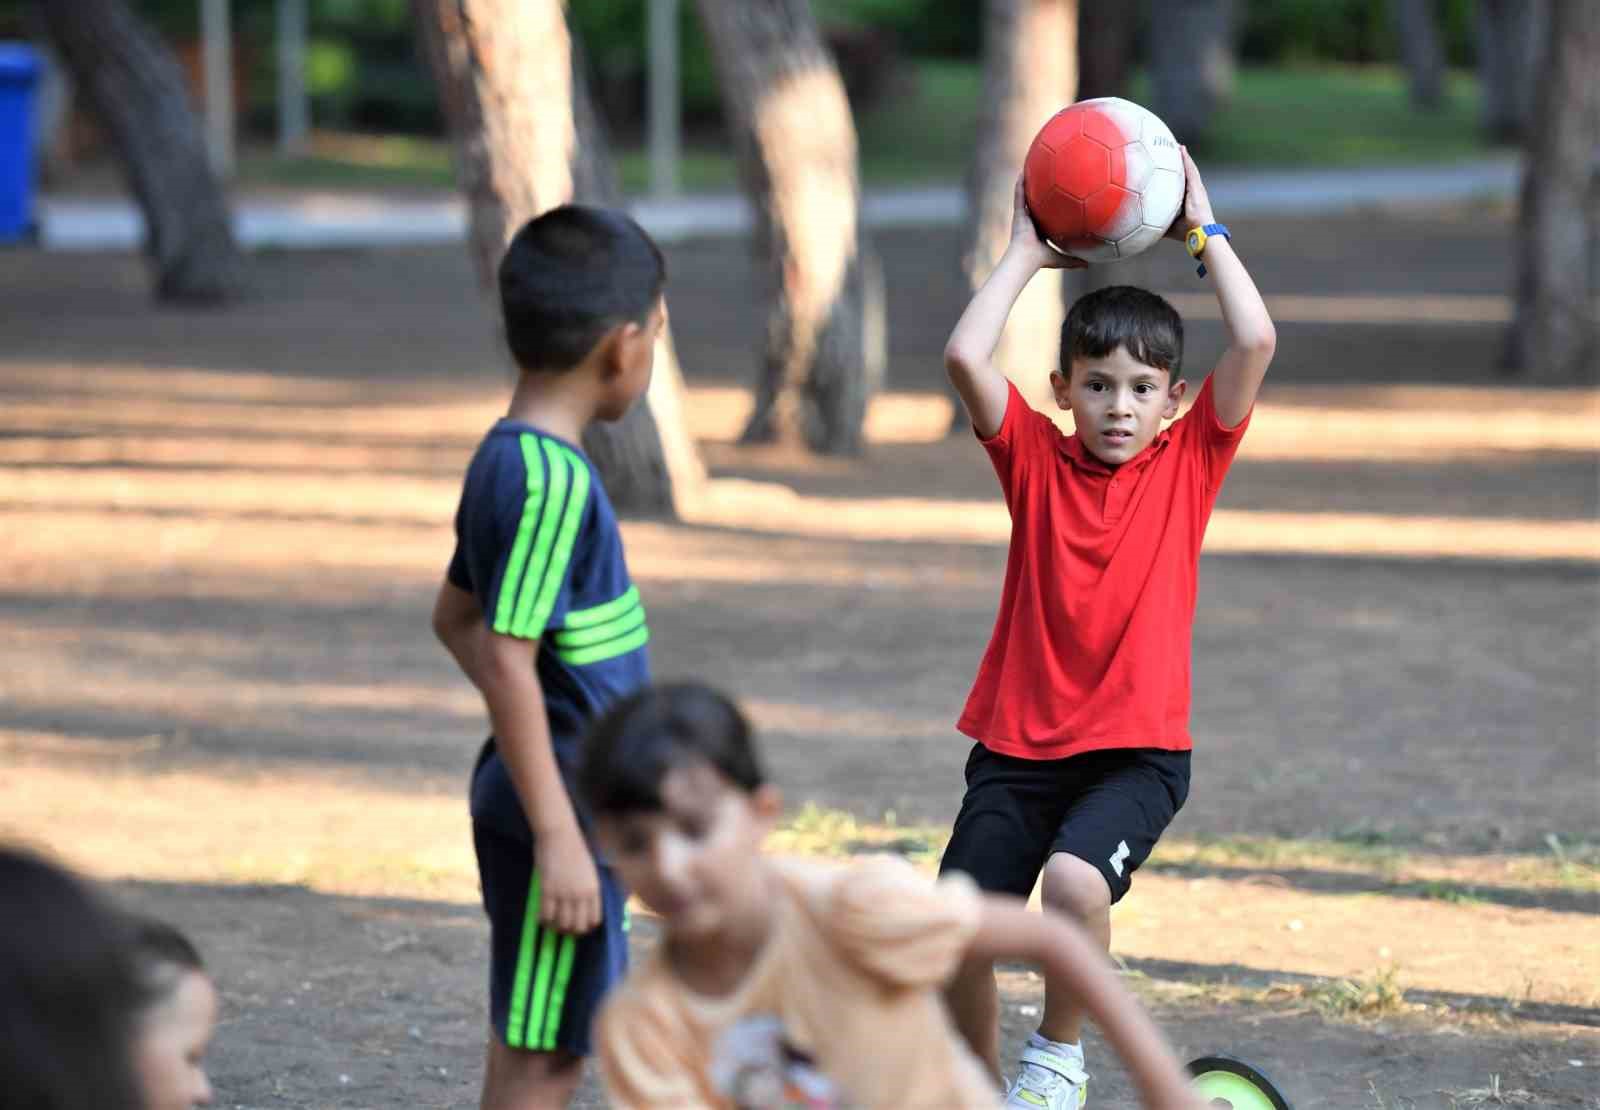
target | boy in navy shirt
[{"x": 539, "y": 612}]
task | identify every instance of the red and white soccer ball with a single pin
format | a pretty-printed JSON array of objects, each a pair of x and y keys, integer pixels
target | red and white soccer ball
[{"x": 1103, "y": 179}]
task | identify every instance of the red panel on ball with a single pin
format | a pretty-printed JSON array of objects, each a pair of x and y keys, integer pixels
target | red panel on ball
[
  {"x": 1103, "y": 129},
  {"x": 1040, "y": 175},
  {"x": 1083, "y": 168}
]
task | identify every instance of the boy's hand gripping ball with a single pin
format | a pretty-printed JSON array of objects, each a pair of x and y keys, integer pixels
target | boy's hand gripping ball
[{"x": 1103, "y": 179}]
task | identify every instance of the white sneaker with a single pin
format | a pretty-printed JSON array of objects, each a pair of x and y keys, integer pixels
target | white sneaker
[{"x": 1048, "y": 1081}]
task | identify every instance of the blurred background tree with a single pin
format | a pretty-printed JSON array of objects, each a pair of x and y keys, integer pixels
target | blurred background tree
[
  {"x": 527, "y": 139},
  {"x": 796, "y": 140},
  {"x": 132, "y": 84}
]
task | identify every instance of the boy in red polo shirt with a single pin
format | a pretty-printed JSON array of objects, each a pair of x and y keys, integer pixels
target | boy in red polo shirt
[{"x": 1081, "y": 705}]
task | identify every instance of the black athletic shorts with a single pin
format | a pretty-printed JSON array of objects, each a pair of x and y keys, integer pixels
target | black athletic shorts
[
  {"x": 1107, "y": 807},
  {"x": 545, "y": 987}
]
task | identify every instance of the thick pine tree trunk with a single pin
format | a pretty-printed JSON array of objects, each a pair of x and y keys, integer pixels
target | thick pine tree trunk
[
  {"x": 1511, "y": 33},
  {"x": 1190, "y": 47},
  {"x": 135, "y": 89},
  {"x": 1029, "y": 73},
  {"x": 528, "y": 139},
  {"x": 1418, "y": 34},
  {"x": 792, "y": 126},
  {"x": 1105, "y": 47},
  {"x": 1555, "y": 333}
]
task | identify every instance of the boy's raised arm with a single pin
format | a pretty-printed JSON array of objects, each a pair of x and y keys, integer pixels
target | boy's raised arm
[
  {"x": 1251, "y": 336},
  {"x": 971, "y": 346},
  {"x": 1008, "y": 931}
]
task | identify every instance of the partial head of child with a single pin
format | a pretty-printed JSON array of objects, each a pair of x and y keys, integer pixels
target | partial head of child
[
  {"x": 681, "y": 807},
  {"x": 175, "y": 1018},
  {"x": 1121, "y": 350},
  {"x": 580, "y": 298},
  {"x": 68, "y": 991}
]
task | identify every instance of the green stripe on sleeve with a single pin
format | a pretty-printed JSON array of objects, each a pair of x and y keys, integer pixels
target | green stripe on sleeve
[
  {"x": 517, "y": 1019},
  {"x": 558, "y": 992},
  {"x": 556, "y": 572},
  {"x": 522, "y": 623},
  {"x": 600, "y": 633},
  {"x": 511, "y": 579},
  {"x": 541, "y": 987},
  {"x": 577, "y": 657},
  {"x": 585, "y": 618}
]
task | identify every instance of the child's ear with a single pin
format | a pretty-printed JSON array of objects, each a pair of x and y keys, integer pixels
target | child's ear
[
  {"x": 1062, "y": 388},
  {"x": 1175, "y": 394}
]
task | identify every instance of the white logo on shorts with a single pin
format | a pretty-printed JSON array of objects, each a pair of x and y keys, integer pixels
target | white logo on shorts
[{"x": 1118, "y": 856}]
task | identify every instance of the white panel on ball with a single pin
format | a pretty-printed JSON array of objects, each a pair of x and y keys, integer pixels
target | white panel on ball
[{"x": 1163, "y": 198}]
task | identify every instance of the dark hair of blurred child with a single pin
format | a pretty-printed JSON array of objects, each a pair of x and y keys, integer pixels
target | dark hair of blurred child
[{"x": 68, "y": 992}]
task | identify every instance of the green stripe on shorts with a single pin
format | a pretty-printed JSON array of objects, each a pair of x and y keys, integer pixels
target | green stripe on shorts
[{"x": 517, "y": 1019}]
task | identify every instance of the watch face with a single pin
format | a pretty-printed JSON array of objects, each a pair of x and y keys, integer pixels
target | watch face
[{"x": 1194, "y": 240}]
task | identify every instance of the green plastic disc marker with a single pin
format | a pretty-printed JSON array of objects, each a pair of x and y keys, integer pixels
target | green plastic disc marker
[{"x": 1229, "y": 1084}]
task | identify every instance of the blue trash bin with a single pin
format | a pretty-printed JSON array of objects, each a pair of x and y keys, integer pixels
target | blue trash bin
[{"x": 19, "y": 76}]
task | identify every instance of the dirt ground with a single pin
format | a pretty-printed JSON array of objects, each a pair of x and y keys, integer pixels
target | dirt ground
[{"x": 220, "y": 533}]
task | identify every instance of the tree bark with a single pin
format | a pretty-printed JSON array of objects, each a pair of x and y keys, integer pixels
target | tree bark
[
  {"x": 1511, "y": 34},
  {"x": 527, "y": 139},
  {"x": 1029, "y": 73},
  {"x": 135, "y": 88},
  {"x": 1555, "y": 333},
  {"x": 824, "y": 350},
  {"x": 1105, "y": 47},
  {"x": 1190, "y": 49},
  {"x": 1417, "y": 31}
]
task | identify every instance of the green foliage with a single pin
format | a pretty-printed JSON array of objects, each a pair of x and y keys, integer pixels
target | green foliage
[
  {"x": 1277, "y": 32},
  {"x": 614, "y": 34}
]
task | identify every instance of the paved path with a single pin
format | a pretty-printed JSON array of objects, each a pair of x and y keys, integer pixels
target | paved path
[{"x": 345, "y": 219}]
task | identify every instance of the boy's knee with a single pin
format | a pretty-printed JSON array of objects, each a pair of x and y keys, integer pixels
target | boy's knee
[{"x": 1073, "y": 887}]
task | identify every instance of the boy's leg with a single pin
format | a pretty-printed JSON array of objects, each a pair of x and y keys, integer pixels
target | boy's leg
[
  {"x": 1009, "y": 815},
  {"x": 1077, "y": 890},
  {"x": 545, "y": 987},
  {"x": 515, "y": 1080},
  {"x": 1108, "y": 832}
]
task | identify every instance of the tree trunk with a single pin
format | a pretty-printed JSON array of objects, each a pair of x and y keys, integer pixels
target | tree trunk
[
  {"x": 1555, "y": 333},
  {"x": 135, "y": 89},
  {"x": 1511, "y": 34},
  {"x": 1417, "y": 31},
  {"x": 1105, "y": 47},
  {"x": 1190, "y": 47},
  {"x": 527, "y": 139},
  {"x": 797, "y": 144},
  {"x": 1029, "y": 73}
]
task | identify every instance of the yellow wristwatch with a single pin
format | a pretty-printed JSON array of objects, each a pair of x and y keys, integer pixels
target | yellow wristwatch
[{"x": 1196, "y": 241}]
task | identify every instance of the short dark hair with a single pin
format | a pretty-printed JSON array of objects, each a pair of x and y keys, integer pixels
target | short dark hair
[
  {"x": 162, "y": 955},
  {"x": 632, "y": 748},
  {"x": 1124, "y": 316},
  {"x": 571, "y": 275},
  {"x": 68, "y": 991}
]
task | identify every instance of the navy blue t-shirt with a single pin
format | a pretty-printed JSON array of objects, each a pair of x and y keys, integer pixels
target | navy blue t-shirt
[{"x": 537, "y": 544}]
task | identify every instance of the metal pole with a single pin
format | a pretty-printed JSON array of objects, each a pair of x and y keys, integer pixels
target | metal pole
[
  {"x": 294, "y": 111},
  {"x": 666, "y": 122},
  {"x": 216, "y": 37}
]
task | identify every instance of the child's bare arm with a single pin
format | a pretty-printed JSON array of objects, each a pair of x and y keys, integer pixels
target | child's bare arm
[
  {"x": 1007, "y": 930},
  {"x": 1251, "y": 336},
  {"x": 971, "y": 346},
  {"x": 458, "y": 622},
  {"x": 569, "y": 885}
]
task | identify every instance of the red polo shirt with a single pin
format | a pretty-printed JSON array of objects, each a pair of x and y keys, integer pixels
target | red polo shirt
[{"x": 1091, "y": 646}]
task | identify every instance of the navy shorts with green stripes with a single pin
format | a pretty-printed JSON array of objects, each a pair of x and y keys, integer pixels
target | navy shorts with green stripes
[{"x": 545, "y": 987}]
